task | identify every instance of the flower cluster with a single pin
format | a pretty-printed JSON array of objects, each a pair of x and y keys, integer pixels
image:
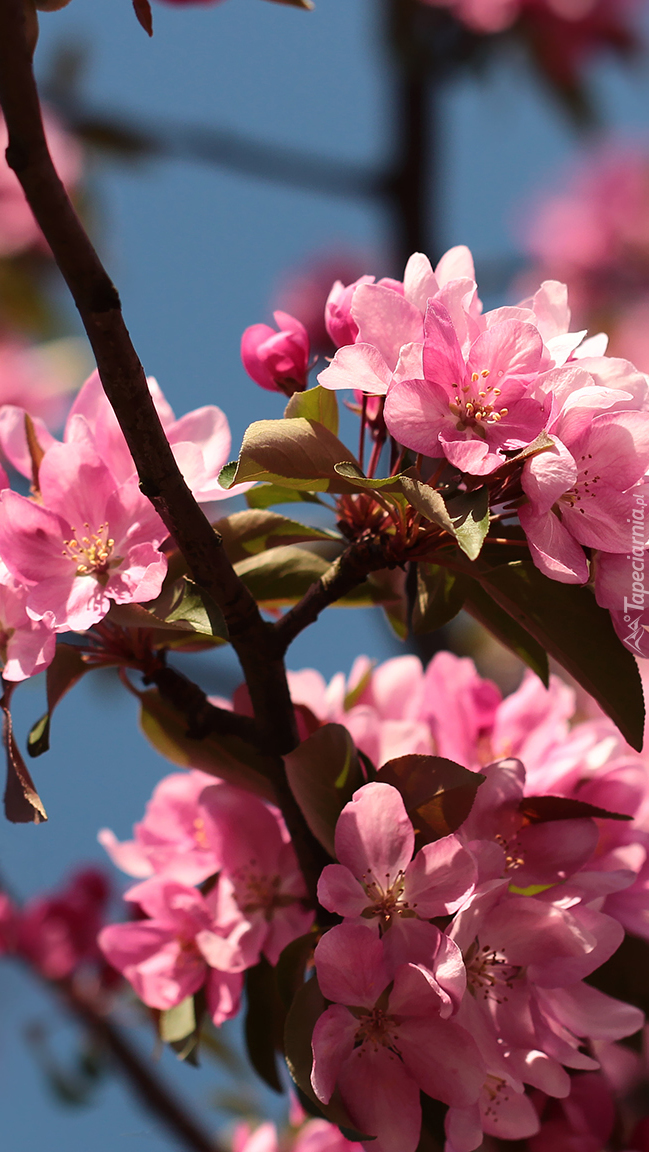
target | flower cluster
[
  {"x": 472, "y": 389},
  {"x": 251, "y": 902},
  {"x": 457, "y": 966},
  {"x": 87, "y": 537},
  {"x": 57, "y": 934}
]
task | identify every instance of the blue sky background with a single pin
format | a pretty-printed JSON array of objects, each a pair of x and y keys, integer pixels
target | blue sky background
[{"x": 196, "y": 252}]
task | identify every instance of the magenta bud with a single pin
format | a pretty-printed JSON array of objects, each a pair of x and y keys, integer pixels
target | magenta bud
[{"x": 278, "y": 361}]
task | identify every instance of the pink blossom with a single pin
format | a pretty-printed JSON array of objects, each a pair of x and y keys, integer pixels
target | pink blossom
[
  {"x": 377, "y": 878},
  {"x": 582, "y": 1122},
  {"x": 201, "y": 439},
  {"x": 381, "y": 1048},
  {"x": 18, "y": 228},
  {"x": 163, "y": 957},
  {"x": 581, "y": 491},
  {"x": 87, "y": 545},
  {"x": 26, "y": 646},
  {"x": 39, "y": 378},
  {"x": 260, "y": 883},
  {"x": 277, "y": 361},
  {"x": 472, "y": 410},
  {"x": 385, "y": 321},
  {"x": 171, "y": 839},
  {"x": 58, "y": 933},
  {"x": 314, "y": 1136}
]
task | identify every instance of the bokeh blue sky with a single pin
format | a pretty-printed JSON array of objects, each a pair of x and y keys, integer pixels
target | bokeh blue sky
[{"x": 196, "y": 253}]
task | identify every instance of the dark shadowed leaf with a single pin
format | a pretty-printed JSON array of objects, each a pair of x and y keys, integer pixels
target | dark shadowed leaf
[
  {"x": 291, "y": 966},
  {"x": 540, "y": 809},
  {"x": 323, "y": 773},
  {"x": 440, "y": 596},
  {"x": 63, "y": 673},
  {"x": 506, "y": 629},
  {"x": 187, "y": 606},
  {"x": 469, "y": 512},
  {"x": 281, "y": 576},
  {"x": 228, "y": 757},
  {"x": 142, "y": 10},
  {"x": 317, "y": 403},
  {"x": 307, "y": 1007},
  {"x": 308, "y": 5},
  {"x": 253, "y": 531},
  {"x": 264, "y": 1026},
  {"x": 569, "y": 624},
  {"x": 438, "y": 794},
  {"x": 23, "y": 805}
]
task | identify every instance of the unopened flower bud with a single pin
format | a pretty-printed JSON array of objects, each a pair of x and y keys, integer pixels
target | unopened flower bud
[{"x": 277, "y": 361}]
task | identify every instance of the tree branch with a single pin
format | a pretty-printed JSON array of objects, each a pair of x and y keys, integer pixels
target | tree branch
[
  {"x": 345, "y": 574},
  {"x": 201, "y": 715},
  {"x": 125, "y": 385},
  {"x": 156, "y": 1096}
]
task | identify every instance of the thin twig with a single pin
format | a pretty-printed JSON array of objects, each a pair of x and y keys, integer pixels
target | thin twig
[
  {"x": 346, "y": 573},
  {"x": 155, "y": 1095}
]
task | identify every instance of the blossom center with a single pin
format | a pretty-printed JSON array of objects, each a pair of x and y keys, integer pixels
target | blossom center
[
  {"x": 258, "y": 893},
  {"x": 513, "y": 857},
  {"x": 584, "y": 486},
  {"x": 489, "y": 972},
  {"x": 495, "y": 1093},
  {"x": 92, "y": 552},
  {"x": 386, "y": 900},
  {"x": 475, "y": 406},
  {"x": 378, "y": 1029}
]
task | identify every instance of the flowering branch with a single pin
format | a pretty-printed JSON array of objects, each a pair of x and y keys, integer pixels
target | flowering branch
[{"x": 125, "y": 384}]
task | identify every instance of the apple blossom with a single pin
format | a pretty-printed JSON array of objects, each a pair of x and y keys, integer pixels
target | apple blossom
[
  {"x": 88, "y": 544},
  {"x": 163, "y": 957},
  {"x": 386, "y": 1034}
]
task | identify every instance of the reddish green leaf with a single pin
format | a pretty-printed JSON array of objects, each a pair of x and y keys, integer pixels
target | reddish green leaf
[
  {"x": 540, "y": 809},
  {"x": 67, "y": 667},
  {"x": 324, "y": 773},
  {"x": 438, "y": 794},
  {"x": 23, "y": 805}
]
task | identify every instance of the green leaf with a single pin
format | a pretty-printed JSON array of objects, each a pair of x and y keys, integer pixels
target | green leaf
[
  {"x": 440, "y": 596},
  {"x": 506, "y": 629},
  {"x": 281, "y": 576},
  {"x": 568, "y": 623},
  {"x": 264, "y": 1025},
  {"x": 63, "y": 673},
  {"x": 357, "y": 479},
  {"x": 469, "y": 512},
  {"x": 429, "y": 503},
  {"x": 187, "y": 605},
  {"x": 270, "y": 494},
  {"x": 247, "y": 533},
  {"x": 541, "y": 809},
  {"x": 323, "y": 773},
  {"x": 306, "y": 1009},
  {"x": 175, "y": 1024},
  {"x": 316, "y": 403},
  {"x": 438, "y": 793},
  {"x": 295, "y": 453},
  {"x": 227, "y": 757}
]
